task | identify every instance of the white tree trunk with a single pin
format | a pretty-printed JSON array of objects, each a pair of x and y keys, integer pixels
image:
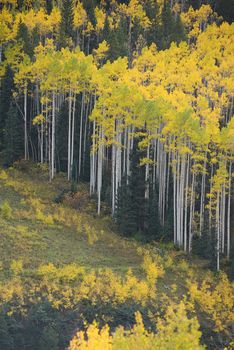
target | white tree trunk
[
  {"x": 25, "y": 126},
  {"x": 53, "y": 138}
]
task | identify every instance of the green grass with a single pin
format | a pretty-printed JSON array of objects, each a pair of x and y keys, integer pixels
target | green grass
[{"x": 57, "y": 243}]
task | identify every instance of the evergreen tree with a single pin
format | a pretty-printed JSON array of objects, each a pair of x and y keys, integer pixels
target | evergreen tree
[
  {"x": 125, "y": 216},
  {"x": 167, "y": 26},
  {"x": 179, "y": 32},
  {"x": 85, "y": 176},
  {"x": 24, "y": 37},
  {"x": 15, "y": 328},
  {"x": 205, "y": 246},
  {"x": 171, "y": 28},
  {"x": 232, "y": 259},
  {"x": 20, "y": 4},
  {"x": 49, "y": 6},
  {"x": 66, "y": 26},
  {"x": 61, "y": 137},
  {"x": 89, "y": 6},
  {"x": 13, "y": 136},
  {"x": 7, "y": 84},
  {"x": 49, "y": 339},
  {"x": 137, "y": 186},
  {"x": 225, "y": 8},
  {"x": 152, "y": 11},
  {"x": 117, "y": 39},
  {"x": 131, "y": 202},
  {"x": 6, "y": 340},
  {"x": 154, "y": 229}
]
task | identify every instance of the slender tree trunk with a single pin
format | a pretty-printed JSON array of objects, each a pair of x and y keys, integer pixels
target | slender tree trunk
[
  {"x": 113, "y": 184},
  {"x": 100, "y": 165},
  {"x": 218, "y": 232},
  {"x": 93, "y": 162},
  {"x": 229, "y": 210},
  {"x": 88, "y": 108},
  {"x": 73, "y": 131},
  {"x": 147, "y": 174},
  {"x": 53, "y": 137},
  {"x": 202, "y": 202},
  {"x": 69, "y": 136},
  {"x": 191, "y": 213},
  {"x": 130, "y": 42},
  {"x": 25, "y": 126},
  {"x": 186, "y": 204},
  {"x": 81, "y": 132},
  {"x": 174, "y": 197}
]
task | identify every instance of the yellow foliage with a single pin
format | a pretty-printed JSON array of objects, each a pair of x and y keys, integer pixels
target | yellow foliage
[
  {"x": 67, "y": 273},
  {"x": 100, "y": 16},
  {"x": 16, "y": 266},
  {"x": 45, "y": 219},
  {"x": 6, "y": 26},
  {"x": 216, "y": 300},
  {"x": 153, "y": 269},
  {"x": 39, "y": 119},
  {"x": 135, "y": 11},
  {"x": 80, "y": 15},
  {"x": 102, "y": 50},
  {"x": 176, "y": 331},
  {"x": 3, "y": 175},
  {"x": 6, "y": 210}
]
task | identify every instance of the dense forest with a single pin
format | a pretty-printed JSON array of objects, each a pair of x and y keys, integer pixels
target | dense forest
[{"x": 125, "y": 107}]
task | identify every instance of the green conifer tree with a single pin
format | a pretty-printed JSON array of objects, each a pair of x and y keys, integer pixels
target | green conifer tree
[
  {"x": 6, "y": 340},
  {"x": 49, "y": 339},
  {"x": 171, "y": 28},
  {"x": 167, "y": 26},
  {"x": 117, "y": 39},
  {"x": 131, "y": 207},
  {"x": 61, "y": 137},
  {"x": 153, "y": 34},
  {"x": 89, "y": 6},
  {"x": 125, "y": 216},
  {"x": 154, "y": 228},
  {"x": 49, "y": 6},
  {"x": 24, "y": 37},
  {"x": 13, "y": 136},
  {"x": 66, "y": 32},
  {"x": 179, "y": 32},
  {"x": 7, "y": 85}
]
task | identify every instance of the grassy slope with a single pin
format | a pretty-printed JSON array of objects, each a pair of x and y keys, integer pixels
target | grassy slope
[
  {"x": 35, "y": 243},
  {"x": 57, "y": 244},
  {"x": 27, "y": 238}
]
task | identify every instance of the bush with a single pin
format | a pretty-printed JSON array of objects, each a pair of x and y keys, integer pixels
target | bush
[
  {"x": 60, "y": 197},
  {"x": 76, "y": 200},
  {"x": 16, "y": 266},
  {"x": 3, "y": 175},
  {"x": 45, "y": 219},
  {"x": 23, "y": 165},
  {"x": 6, "y": 210},
  {"x": 176, "y": 331}
]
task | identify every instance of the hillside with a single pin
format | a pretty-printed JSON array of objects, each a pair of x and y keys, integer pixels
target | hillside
[
  {"x": 134, "y": 97},
  {"x": 116, "y": 175},
  {"x": 61, "y": 268}
]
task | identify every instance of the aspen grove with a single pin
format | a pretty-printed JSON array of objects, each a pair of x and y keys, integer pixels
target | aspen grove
[{"x": 175, "y": 103}]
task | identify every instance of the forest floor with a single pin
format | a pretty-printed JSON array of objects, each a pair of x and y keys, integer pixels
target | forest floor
[{"x": 41, "y": 223}]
